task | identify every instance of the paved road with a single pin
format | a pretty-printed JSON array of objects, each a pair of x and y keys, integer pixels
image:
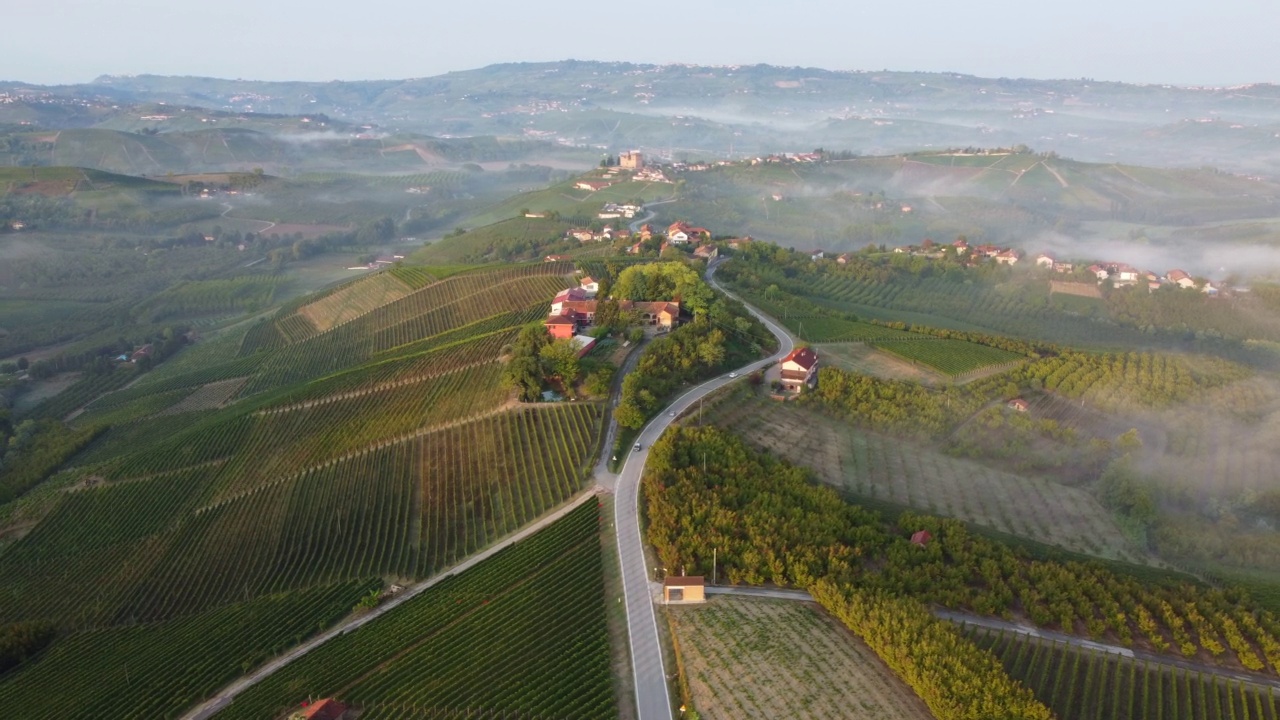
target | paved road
[
  {"x": 653, "y": 700},
  {"x": 228, "y": 693},
  {"x": 604, "y": 478}
]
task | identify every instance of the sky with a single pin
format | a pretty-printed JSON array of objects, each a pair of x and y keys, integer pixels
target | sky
[{"x": 1225, "y": 42}]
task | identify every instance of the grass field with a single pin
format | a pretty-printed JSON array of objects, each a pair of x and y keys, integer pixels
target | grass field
[
  {"x": 875, "y": 466},
  {"x": 757, "y": 658},
  {"x": 868, "y": 360},
  {"x": 523, "y": 634}
]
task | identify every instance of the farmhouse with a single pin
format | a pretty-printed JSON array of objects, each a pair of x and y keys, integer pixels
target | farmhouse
[
  {"x": 582, "y": 234},
  {"x": 584, "y": 343},
  {"x": 680, "y": 232},
  {"x": 799, "y": 368},
  {"x": 685, "y": 589},
  {"x": 961, "y": 246},
  {"x": 1045, "y": 260},
  {"x": 593, "y": 185},
  {"x": 562, "y": 325},
  {"x": 1099, "y": 272},
  {"x": 567, "y": 296},
  {"x": 1181, "y": 278},
  {"x": 737, "y": 243},
  {"x": 1019, "y": 405},
  {"x": 636, "y": 248},
  {"x": 1061, "y": 267},
  {"x": 1123, "y": 274},
  {"x": 1007, "y": 257},
  {"x": 589, "y": 285},
  {"x": 844, "y": 258},
  {"x": 815, "y": 254},
  {"x": 706, "y": 252}
]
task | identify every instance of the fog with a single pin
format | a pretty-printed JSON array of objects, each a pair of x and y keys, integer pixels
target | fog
[{"x": 1214, "y": 260}]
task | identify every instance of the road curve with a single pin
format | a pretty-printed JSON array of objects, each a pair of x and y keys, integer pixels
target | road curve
[{"x": 653, "y": 699}]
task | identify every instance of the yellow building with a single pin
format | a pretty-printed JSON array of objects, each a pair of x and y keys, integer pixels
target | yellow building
[
  {"x": 684, "y": 589},
  {"x": 631, "y": 160}
]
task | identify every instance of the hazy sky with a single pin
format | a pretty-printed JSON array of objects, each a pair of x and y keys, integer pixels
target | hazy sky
[{"x": 1171, "y": 41}]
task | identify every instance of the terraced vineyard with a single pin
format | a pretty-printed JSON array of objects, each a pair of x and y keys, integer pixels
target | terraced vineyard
[
  {"x": 878, "y": 467},
  {"x": 521, "y": 635},
  {"x": 154, "y": 671},
  {"x": 1088, "y": 685},
  {"x": 354, "y": 300},
  {"x": 401, "y": 509}
]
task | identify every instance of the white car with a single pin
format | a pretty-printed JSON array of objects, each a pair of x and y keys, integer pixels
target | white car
[
  {"x": 733, "y": 375},
  {"x": 671, "y": 414}
]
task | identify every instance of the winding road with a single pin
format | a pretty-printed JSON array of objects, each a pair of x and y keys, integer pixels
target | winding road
[{"x": 653, "y": 699}]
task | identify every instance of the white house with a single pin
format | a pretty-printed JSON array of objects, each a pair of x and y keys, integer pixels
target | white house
[
  {"x": 590, "y": 286},
  {"x": 1045, "y": 260},
  {"x": 799, "y": 367}
]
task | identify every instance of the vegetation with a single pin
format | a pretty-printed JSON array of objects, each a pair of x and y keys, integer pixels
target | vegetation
[
  {"x": 753, "y": 657},
  {"x": 523, "y": 632},
  {"x": 769, "y": 524},
  {"x": 157, "y": 671},
  {"x": 1081, "y": 684}
]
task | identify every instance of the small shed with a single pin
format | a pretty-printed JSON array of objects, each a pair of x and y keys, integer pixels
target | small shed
[
  {"x": 1019, "y": 405},
  {"x": 325, "y": 709},
  {"x": 921, "y": 537},
  {"x": 684, "y": 589}
]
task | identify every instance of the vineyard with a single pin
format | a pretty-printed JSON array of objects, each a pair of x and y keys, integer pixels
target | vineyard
[
  {"x": 523, "y": 634},
  {"x": 83, "y": 391},
  {"x": 873, "y": 466},
  {"x": 354, "y": 300},
  {"x": 401, "y": 509},
  {"x": 210, "y": 297},
  {"x": 756, "y": 658},
  {"x": 1089, "y": 685},
  {"x": 154, "y": 671}
]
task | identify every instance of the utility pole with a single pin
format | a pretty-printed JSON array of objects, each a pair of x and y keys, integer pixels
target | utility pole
[{"x": 714, "y": 552}]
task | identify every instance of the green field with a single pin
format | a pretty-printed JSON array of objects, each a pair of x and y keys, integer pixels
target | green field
[{"x": 523, "y": 634}]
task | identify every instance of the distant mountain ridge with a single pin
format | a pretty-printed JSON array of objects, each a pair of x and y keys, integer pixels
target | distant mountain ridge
[{"x": 690, "y": 110}]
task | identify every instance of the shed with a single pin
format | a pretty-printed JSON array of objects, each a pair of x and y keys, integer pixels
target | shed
[
  {"x": 1019, "y": 405},
  {"x": 684, "y": 589},
  {"x": 921, "y": 537},
  {"x": 326, "y": 709}
]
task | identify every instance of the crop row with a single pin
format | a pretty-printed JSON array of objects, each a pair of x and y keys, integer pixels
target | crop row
[
  {"x": 406, "y": 510},
  {"x": 261, "y": 448},
  {"x": 83, "y": 391},
  {"x": 1089, "y": 685},
  {"x": 354, "y": 300},
  {"x": 522, "y": 634},
  {"x": 152, "y": 671}
]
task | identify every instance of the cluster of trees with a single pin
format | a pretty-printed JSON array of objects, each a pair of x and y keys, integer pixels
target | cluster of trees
[
  {"x": 722, "y": 335},
  {"x": 955, "y": 678},
  {"x": 33, "y": 449},
  {"x": 534, "y": 357},
  {"x": 892, "y": 406},
  {"x": 708, "y": 494},
  {"x": 1119, "y": 379},
  {"x": 20, "y": 642}
]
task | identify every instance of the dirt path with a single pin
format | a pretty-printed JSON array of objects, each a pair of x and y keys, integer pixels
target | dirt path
[{"x": 1061, "y": 180}]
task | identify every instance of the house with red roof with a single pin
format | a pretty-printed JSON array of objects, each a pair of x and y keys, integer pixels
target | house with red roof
[
  {"x": 799, "y": 368},
  {"x": 569, "y": 295},
  {"x": 1181, "y": 279},
  {"x": 706, "y": 252},
  {"x": 590, "y": 286},
  {"x": 562, "y": 325}
]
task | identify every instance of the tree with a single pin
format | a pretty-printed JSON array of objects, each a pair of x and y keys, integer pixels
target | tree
[{"x": 561, "y": 358}]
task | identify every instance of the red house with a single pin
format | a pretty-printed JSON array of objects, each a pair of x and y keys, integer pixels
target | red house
[{"x": 563, "y": 325}]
